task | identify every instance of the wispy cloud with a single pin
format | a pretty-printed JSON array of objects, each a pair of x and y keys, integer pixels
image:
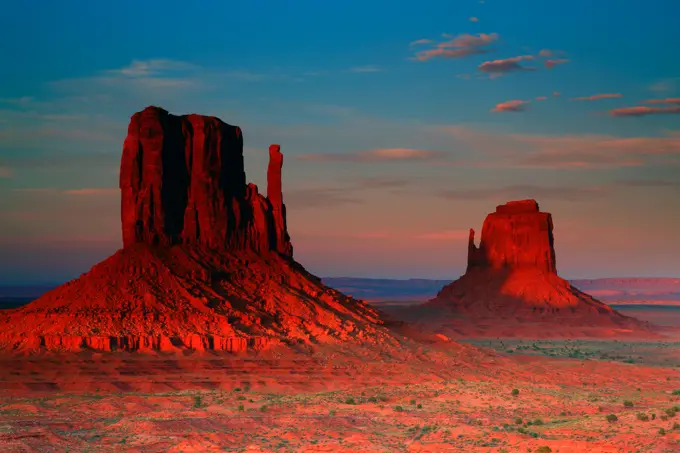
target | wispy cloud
[
  {"x": 511, "y": 106},
  {"x": 88, "y": 191},
  {"x": 367, "y": 68},
  {"x": 546, "y": 53},
  {"x": 376, "y": 155},
  {"x": 513, "y": 192},
  {"x": 445, "y": 235},
  {"x": 383, "y": 183},
  {"x": 500, "y": 67},
  {"x": 644, "y": 111},
  {"x": 148, "y": 68},
  {"x": 597, "y": 97},
  {"x": 458, "y": 47},
  {"x": 420, "y": 42},
  {"x": 541, "y": 98},
  {"x": 474, "y": 19},
  {"x": 664, "y": 101},
  {"x": 668, "y": 85},
  {"x": 549, "y": 64},
  {"x": 92, "y": 191},
  {"x": 563, "y": 151},
  {"x": 323, "y": 197},
  {"x": 556, "y": 93}
]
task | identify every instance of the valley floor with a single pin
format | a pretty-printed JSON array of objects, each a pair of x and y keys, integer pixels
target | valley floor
[{"x": 466, "y": 400}]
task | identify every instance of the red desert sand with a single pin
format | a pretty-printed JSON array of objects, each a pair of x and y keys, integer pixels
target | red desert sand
[{"x": 204, "y": 334}]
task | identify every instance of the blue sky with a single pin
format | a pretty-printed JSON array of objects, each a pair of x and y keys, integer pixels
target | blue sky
[{"x": 402, "y": 124}]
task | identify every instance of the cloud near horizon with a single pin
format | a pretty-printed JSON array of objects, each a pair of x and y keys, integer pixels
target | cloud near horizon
[
  {"x": 644, "y": 111},
  {"x": 500, "y": 67},
  {"x": 458, "y": 47},
  {"x": 511, "y": 106},
  {"x": 549, "y": 64},
  {"x": 376, "y": 155},
  {"x": 596, "y": 97},
  {"x": 520, "y": 191}
]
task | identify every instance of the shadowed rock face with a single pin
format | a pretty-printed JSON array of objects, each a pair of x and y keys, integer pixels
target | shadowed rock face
[
  {"x": 516, "y": 236},
  {"x": 182, "y": 180}
]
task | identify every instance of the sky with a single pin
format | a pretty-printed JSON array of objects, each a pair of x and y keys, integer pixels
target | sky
[{"x": 402, "y": 124}]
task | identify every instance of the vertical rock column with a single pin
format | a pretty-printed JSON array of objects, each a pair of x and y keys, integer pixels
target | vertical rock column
[{"x": 274, "y": 194}]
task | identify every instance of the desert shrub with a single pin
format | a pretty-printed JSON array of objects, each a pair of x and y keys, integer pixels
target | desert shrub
[
  {"x": 628, "y": 403},
  {"x": 653, "y": 416},
  {"x": 263, "y": 408},
  {"x": 420, "y": 406},
  {"x": 515, "y": 392},
  {"x": 538, "y": 422},
  {"x": 662, "y": 432},
  {"x": 331, "y": 413},
  {"x": 240, "y": 398},
  {"x": 373, "y": 399},
  {"x": 543, "y": 449},
  {"x": 350, "y": 400},
  {"x": 198, "y": 402},
  {"x": 241, "y": 408},
  {"x": 383, "y": 398},
  {"x": 611, "y": 418},
  {"x": 399, "y": 409},
  {"x": 671, "y": 412},
  {"x": 642, "y": 417},
  {"x": 676, "y": 426},
  {"x": 518, "y": 421},
  {"x": 237, "y": 389},
  {"x": 412, "y": 401},
  {"x": 676, "y": 392},
  {"x": 664, "y": 417}
]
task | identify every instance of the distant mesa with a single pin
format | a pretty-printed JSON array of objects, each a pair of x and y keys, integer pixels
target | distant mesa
[
  {"x": 206, "y": 264},
  {"x": 512, "y": 275}
]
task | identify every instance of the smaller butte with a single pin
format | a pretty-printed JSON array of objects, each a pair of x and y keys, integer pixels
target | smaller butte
[{"x": 512, "y": 277}]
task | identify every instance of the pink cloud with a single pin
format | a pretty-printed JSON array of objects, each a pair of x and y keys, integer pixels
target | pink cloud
[
  {"x": 549, "y": 64},
  {"x": 420, "y": 42},
  {"x": 376, "y": 155},
  {"x": 92, "y": 191},
  {"x": 664, "y": 101},
  {"x": 643, "y": 111},
  {"x": 506, "y": 65},
  {"x": 596, "y": 97},
  {"x": 474, "y": 19},
  {"x": 511, "y": 106},
  {"x": 458, "y": 47},
  {"x": 542, "y": 98},
  {"x": 556, "y": 93},
  {"x": 562, "y": 151},
  {"x": 6, "y": 172}
]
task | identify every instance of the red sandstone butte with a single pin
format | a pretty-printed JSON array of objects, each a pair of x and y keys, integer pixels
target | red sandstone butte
[
  {"x": 206, "y": 263},
  {"x": 513, "y": 273}
]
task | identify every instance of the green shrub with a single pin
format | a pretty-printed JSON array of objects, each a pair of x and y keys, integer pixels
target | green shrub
[
  {"x": 399, "y": 409},
  {"x": 671, "y": 412},
  {"x": 628, "y": 403},
  {"x": 611, "y": 418},
  {"x": 538, "y": 422},
  {"x": 676, "y": 392},
  {"x": 350, "y": 400},
  {"x": 543, "y": 449},
  {"x": 662, "y": 432},
  {"x": 420, "y": 406},
  {"x": 515, "y": 392},
  {"x": 642, "y": 417},
  {"x": 241, "y": 408},
  {"x": 198, "y": 401},
  {"x": 412, "y": 402},
  {"x": 518, "y": 421}
]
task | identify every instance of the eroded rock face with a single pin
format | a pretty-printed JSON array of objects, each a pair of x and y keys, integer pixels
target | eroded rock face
[
  {"x": 182, "y": 180},
  {"x": 516, "y": 236}
]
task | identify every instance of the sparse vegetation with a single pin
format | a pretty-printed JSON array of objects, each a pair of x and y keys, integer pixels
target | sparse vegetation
[
  {"x": 514, "y": 392},
  {"x": 611, "y": 418},
  {"x": 628, "y": 403}
]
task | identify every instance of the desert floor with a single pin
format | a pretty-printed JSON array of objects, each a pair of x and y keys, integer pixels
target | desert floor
[{"x": 440, "y": 398}]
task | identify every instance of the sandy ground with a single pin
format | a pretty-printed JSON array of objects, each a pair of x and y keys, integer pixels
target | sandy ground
[{"x": 438, "y": 398}]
